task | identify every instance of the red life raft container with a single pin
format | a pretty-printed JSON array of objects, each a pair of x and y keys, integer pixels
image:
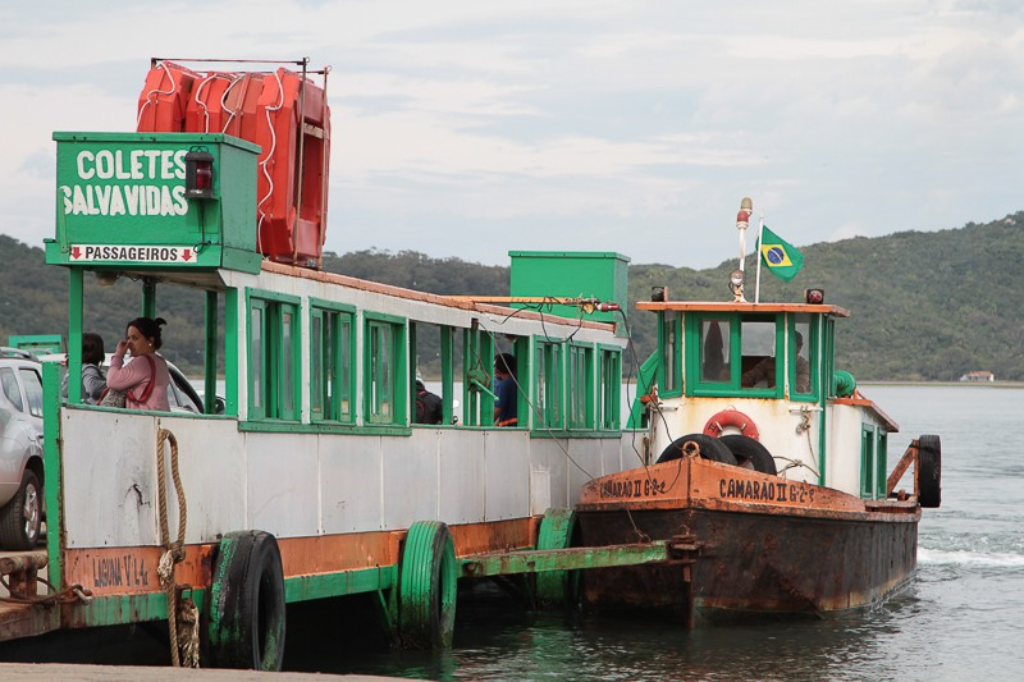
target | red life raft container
[
  {"x": 280, "y": 111},
  {"x": 164, "y": 99},
  {"x": 292, "y": 173}
]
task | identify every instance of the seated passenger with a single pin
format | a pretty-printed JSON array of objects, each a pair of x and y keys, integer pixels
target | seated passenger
[
  {"x": 429, "y": 408},
  {"x": 145, "y": 378},
  {"x": 506, "y": 407},
  {"x": 93, "y": 381}
]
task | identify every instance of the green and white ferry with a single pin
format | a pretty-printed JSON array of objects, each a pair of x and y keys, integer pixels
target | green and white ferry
[{"x": 313, "y": 482}]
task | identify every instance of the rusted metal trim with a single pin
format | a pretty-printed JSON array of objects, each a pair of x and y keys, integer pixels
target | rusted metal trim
[
  {"x": 909, "y": 457},
  {"x": 22, "y": 561}
]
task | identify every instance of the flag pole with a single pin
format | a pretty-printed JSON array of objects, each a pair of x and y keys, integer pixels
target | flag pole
[{"x": 760, "y": 236}]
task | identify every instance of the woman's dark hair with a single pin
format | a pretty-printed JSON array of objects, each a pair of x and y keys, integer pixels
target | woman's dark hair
[
  {"x": 92, "y": 349},
  {"x": 149, "y": 328}
]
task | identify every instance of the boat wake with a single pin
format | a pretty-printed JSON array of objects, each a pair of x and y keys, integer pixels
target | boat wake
[{"x": 938, "y": 557}]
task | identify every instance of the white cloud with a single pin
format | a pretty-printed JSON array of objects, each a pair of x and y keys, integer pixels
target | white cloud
[{"x": 562, "y": 120}]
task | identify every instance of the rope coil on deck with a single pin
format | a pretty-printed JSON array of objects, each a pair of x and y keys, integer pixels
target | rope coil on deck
[{"x": 187, "y": 641}]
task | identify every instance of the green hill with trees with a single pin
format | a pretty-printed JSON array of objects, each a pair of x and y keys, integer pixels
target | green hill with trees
[{"x": 925, "y": 306}]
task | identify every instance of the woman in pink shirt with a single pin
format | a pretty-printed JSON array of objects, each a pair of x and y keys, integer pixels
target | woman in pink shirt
[{"x": 145, "y": 381}]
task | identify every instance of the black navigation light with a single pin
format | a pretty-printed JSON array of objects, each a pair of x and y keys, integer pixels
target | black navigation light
[
  {"x": 199, "y": 174},
  {"x": 659, "y": 294},
  {"x": 814, "y": 296}
]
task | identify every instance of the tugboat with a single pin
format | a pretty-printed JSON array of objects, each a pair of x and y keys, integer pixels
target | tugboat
[{"x": 768, "y": 480}]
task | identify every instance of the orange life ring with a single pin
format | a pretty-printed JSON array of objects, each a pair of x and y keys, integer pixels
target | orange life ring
[{"x": 733, "y": 418}]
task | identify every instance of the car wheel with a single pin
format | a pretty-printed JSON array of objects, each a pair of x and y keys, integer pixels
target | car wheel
[{"x": 21, "y": 518}]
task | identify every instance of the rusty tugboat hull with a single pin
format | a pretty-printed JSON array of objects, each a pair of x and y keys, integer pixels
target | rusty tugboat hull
[{"x": 746, "y": 544}]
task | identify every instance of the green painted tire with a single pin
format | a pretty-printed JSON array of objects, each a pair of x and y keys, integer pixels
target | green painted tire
[
  {"x": 556, "y": 532},
  {"x": 247, "y": 607},
  {"x": 427, "y": 586}
]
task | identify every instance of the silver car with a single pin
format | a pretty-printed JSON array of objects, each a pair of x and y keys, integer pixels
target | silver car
[{"x": 21, "y": 449}]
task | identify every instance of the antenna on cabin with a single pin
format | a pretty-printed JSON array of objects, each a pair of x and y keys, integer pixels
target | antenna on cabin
[{"x": 742, "y": 222}]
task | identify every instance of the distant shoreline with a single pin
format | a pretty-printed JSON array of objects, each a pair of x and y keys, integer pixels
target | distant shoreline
[{"x": 973, "y": 384}]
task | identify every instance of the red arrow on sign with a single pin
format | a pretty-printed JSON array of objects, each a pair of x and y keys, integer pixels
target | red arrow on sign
[
  {"x": 75, "y": 252},
  {"x": 187, "y": 255}
]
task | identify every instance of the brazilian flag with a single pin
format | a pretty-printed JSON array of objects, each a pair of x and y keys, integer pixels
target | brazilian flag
[{"x": 779, "y": 256}]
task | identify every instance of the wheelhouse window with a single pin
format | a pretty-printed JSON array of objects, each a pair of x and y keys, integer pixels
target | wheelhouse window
[
  {"x": 803, "y": 349},
  {"x": 760, "y": 366},
  {"x": 732, "y": 354},
  {"x": 548, "y": 359},
  {"x": 669, "y": 379},
  {"x": 715, "y": 344},
  {"x": 385, "y": 387},
  {"x": 608, "y": 404},
  {"x": 273, "y": 357},
  {"x": 581, "y": 387},
  {"x": 331, "y": 361}
]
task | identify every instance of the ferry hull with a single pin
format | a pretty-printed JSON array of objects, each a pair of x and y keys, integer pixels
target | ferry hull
[{"x": 736, "y": 560}]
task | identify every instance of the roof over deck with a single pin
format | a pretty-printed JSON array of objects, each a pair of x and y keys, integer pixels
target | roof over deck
[{"x": 743, "y": 307}]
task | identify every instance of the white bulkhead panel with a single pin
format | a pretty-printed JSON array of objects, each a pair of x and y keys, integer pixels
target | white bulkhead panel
[
  {"x": 843, "y": 459},
  {"x": 283, "y": 488},
  {"x": 507, "y": 458},
  {"x": 463, "y": 491},
  {"x": 211, "y": 463},
  {"x": 410, "y": 467},
  {"x": 109, "y": 464},
  {"x": 546, "y": 454},
  {"x": 350, "y": 484}
]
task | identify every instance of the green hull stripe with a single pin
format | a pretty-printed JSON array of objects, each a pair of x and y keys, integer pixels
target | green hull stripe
[
  {"x": 153, "y": 606},
  {"x": 308, "y": 587}
]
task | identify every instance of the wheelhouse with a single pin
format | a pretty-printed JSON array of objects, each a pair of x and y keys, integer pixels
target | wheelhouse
[
  {"x": 774, "y": 351},
  {"x": 774, "y": 364}
]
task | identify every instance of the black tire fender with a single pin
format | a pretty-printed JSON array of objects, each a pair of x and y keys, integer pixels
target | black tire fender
[
  {"x": 929, "y": 471},
  {"x": 247, "y": 610},
  {"x": 750, "y": 454},
  {"x": 710, "y": 448}
]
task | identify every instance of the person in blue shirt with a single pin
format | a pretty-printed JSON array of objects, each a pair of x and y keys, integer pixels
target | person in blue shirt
[{"x": 506, "y": 407}]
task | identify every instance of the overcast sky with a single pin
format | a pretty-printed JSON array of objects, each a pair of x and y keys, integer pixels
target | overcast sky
[{"x": 473, "y": 128}]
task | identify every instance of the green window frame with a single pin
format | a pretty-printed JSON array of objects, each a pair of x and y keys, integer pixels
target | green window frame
[
  {"x": 881, "y": 463},
  {"x": 275, "y": 357},
  {"x": 670, "y": 382},
  {"x": 808, "y": 326},
  {"x": 867, "y": 461},
  {"x": 478, "y": 377},
  {"x": 609, "y": 399},
  {"x": 549, "y": 384},
  {"x": 719, "y": 371},
  {"x": 332, "y": 380},
  {"x": 385, "y": 375},
  {"x": 581, "y": 386}
]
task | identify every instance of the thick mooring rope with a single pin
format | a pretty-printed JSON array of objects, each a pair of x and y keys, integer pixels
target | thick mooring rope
[{"x": 174, "y": 554}]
